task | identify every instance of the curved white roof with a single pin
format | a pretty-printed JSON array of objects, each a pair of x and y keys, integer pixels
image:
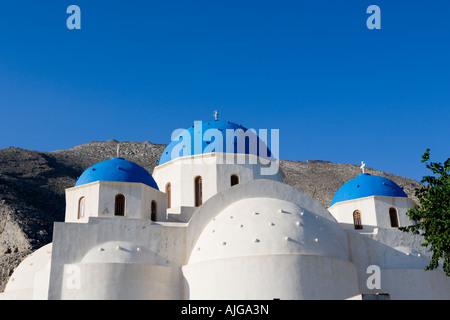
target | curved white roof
[
  {"x": 268, "y": 226},
  {"x": 24, "y": 275}
]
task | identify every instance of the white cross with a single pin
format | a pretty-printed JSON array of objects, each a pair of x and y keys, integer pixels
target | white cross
[
  {"x": 363, "y": 165},
  {"x": 216, "y": 115}
]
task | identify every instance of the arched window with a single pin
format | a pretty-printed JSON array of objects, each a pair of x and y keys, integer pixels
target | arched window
[
  {"x": 357, "y": 220},
  {"x": 234, "y": 179},
  {"x": 81, "y": 207},
  {"x": 154, "y": 207},
  {"x": 119, "y": 208},
  {"x": 394, "y": 217},
  {"x": 169, "y": 195},
  {"x": 198, "y": 192}
]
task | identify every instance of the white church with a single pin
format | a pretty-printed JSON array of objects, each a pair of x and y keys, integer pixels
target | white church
[{"x": 212, "y": 225}]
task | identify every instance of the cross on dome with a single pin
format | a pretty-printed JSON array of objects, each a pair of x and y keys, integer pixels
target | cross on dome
[{"x": 363, "y": 165}]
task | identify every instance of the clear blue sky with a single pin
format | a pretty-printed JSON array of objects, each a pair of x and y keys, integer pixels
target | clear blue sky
[{"x": 140, "y": 69}]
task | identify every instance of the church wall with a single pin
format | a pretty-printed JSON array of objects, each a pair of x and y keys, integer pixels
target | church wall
[
  {"x": 134, "y": 206},
  {"x": 382, "y": 206},
  {"x": 138, "y": 199},
  {"x": 159, "y": 245},
  {"x": 188, "y": 174},
  {"x": 180, "y": 214},
  {"x": 401, "y": 260},
  {"x": 73, "y": 195},
  {"x": 163, "y": 175},
  {"x": 343, "y": 212},
  {"x": 100, "y": 200},
  {"x": 415, "y": 284},
  {"x": 247, "y": 167},
  {"x": 374, "y": 212},
  {"x": 268, "y": 277},
  {"x": 215, "y": 173},
  {"x": 224, "y": 172},
  {"x": 149, "y": 195},
  {"x": 181, "y": 174},
  {"x": 122, "y": 281}
]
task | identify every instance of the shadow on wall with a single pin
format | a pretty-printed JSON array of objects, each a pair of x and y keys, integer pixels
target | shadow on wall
[{"x": 389, "y": 249}]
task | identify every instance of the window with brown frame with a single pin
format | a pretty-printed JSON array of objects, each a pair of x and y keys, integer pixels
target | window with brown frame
[
  {"x": 81, "y": 207},
  {"x": 153, "y": 213},
  {"x": 393, "y": 217},
  {"x": 169, "y": 195},
  {"x": 357, "y": 222},
  {"x": 198, "y": 191},
  {"x": 119, "y": 208},
  {"x": 234, "y": 179}
]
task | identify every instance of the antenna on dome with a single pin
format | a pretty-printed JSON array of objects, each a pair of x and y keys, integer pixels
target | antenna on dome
[
  {"x": 363, "y": 165},
  {"x": 216, "y": 115}
]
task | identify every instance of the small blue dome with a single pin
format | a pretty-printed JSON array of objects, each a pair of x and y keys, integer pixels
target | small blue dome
[
  {"x": 366, "y": 185},
  {"x": 176, "y": 148},
  {"x": 117, "y": 170}
]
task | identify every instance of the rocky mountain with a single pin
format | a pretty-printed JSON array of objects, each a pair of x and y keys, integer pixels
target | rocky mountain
[{"x": 32, "y": 188}]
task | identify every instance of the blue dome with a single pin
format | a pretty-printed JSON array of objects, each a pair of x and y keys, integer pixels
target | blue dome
[
  {"x": 366, "y": 185},
  {"x": 177, "y": 148},
  {"x": 117, "y": 170}
]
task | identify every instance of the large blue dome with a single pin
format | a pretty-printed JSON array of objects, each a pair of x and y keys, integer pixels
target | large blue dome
[
  {"x": 179, "y": 148},
  {"x": 117, "y": 170},
  {"x": 366, "y": 185}
]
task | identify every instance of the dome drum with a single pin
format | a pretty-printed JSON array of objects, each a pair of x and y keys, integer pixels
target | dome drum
[
  {"x": 369, "y": 202},
  {"x": 115, "y": 188}
]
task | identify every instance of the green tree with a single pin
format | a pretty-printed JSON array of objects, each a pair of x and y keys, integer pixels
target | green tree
[{"x": 432, "y": 214}]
